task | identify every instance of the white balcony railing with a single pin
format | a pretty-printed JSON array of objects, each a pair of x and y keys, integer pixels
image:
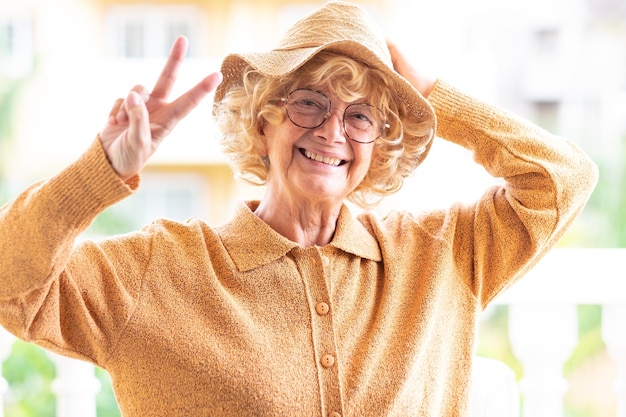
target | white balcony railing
[
  {"x": 542, "y": 332},
  {"x": 543, "y": 321}
]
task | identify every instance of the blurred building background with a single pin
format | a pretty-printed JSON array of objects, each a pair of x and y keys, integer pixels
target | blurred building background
[{"x": 560, "y": 63}]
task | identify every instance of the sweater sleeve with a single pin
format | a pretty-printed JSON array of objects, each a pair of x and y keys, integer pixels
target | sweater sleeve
[
  {"x": 43, "y": 297},
  {"x": 547, "y": 182}
]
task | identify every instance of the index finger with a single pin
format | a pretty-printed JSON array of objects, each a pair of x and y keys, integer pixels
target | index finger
[
  {"x": 168, "y": 75},
  {"x": 180, "y": 107}
]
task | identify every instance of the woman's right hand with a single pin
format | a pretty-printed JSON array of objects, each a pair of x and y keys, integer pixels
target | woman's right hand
[{"x": 138, "y": 124}]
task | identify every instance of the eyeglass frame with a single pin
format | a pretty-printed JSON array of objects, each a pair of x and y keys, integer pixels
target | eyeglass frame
[{"x": 384, "y": 125}]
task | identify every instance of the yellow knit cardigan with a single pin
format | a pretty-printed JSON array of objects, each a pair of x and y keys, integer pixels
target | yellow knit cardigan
[{"x": 193, "y": 320}]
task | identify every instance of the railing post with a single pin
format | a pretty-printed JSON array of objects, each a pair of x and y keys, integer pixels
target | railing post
[
  {"x": 75, "y": 386},
  {"x": 614, "y": 335},
  {"x": 543, "y": 337},
  {"x": 6, "y": 341}
]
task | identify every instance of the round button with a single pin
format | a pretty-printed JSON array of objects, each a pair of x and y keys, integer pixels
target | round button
[
  {"x": 334, "y": 414},
  {"x": 322, "y": 308},
  {"x": 328, "y": 361}
]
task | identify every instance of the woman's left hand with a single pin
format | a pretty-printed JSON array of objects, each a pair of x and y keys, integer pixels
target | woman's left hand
[{"x": 422, "y": 82}]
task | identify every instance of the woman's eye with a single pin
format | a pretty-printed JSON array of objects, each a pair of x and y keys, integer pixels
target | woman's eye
[
  {"x": 309, "y": 103},
  {"x": 361, "y": 118},
  {"x": 364, "y": 117}
]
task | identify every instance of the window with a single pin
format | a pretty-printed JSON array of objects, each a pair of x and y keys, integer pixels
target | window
[
  {"x": 607, "y": 9},
  {"x": 6, "y": 40},
  {"x": 547, "y": 115},
  {"x": 546, "y": 41},
  {"x": 133, "y": 39},
  {"x": 176, "y": 196},
  {"x": 148, "y": 32},
  {"x": 16, "y": 46}
]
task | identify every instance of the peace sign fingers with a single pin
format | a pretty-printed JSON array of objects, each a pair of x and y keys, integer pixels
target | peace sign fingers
[
  {"x": 138, "y": 124},
  {"x": 168, "y": 75}
]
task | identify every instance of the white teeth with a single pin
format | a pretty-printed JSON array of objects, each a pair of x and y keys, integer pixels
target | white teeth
[{"x": 324, "y": 159}]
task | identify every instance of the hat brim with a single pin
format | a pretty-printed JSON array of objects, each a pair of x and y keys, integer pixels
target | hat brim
[{"x": 280, "y": 62}]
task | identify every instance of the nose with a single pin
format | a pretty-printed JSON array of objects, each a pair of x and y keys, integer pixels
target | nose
[{"x": 332, "y": 129}]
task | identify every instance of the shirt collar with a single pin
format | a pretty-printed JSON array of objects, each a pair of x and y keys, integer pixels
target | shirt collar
[{"x": 252, "y": 243}]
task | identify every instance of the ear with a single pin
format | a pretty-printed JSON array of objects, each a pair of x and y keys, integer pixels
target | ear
[
  {"x": 262, "y": 138},
  {"x": 262, "y": 145}
]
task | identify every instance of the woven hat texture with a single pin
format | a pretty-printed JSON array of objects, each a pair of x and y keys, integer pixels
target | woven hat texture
[{"x": 338, "y": 27}]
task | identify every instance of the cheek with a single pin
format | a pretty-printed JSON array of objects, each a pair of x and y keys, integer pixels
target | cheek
[
  {"x": 363, "y": 165},
  {"x": 278, "y": 137},
  {"x": 367, "y": 157}
]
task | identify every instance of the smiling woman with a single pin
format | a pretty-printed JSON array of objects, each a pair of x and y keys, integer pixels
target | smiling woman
[
  {"x": 259, "y": 99},
  {"x": 294, "y": 306}
]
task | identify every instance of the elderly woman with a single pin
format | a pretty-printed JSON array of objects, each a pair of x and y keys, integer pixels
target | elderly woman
[{"x": 295, "y": 307}]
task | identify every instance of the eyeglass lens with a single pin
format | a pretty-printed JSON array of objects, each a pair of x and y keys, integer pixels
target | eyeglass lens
[{"x": 309, "y": 109}]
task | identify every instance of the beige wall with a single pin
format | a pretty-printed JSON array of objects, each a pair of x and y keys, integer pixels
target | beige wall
[{"x": 76, "y": 80}]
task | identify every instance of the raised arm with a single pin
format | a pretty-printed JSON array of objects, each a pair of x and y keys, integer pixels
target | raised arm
[
  {"x": 548, "y": 181},
  {"x": 45, "y": 283}
]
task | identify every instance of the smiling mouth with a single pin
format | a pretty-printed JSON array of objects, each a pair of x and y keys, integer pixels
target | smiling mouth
[{"x": 335, "y": 162}]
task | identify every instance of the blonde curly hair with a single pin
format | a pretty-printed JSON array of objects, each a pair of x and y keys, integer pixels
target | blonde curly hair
[{"x": 245, "y": 108}]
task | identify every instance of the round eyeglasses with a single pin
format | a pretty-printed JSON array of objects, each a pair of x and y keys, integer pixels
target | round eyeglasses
[{"x": 309, "y": 109}]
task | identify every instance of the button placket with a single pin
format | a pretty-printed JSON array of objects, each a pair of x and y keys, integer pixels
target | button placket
[
  {"x": 322, "y": 308},
  {"x": 314, "y": 267}
]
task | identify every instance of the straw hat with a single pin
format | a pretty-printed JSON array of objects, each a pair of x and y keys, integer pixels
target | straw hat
[{"x": 338, "y": 27}]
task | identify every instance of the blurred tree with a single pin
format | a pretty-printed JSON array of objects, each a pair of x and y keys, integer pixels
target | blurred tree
[
  {"x": 29, "y": 372},
  {"x": 9, "y": 90},
  {"x": 28, "y": 369},
  {"x": 608, "y": 202},
  {"x": 105, "y": 402}
]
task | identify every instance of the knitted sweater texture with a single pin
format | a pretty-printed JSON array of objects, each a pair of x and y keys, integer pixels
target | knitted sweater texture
[{"x": 236, "y": 320}]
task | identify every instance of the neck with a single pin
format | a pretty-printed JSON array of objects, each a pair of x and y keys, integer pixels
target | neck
[{"x": 304, "y": 222}]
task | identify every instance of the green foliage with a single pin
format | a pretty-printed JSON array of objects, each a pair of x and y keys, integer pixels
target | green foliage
[
  {"x": 4, "y": 195},
  {"x": 590, "y": 387},
  {"x": 590, "y": 341},
  {"x": 607, "y": 205},
  {"x": 111, "y": 221},
  {"x": 9, "y": 91},
  {"x": 105, "y": 401},
  {"x": 494, "y": 343},
  {"x": 494, "y": 339},
  {"x": 618, "y": 221},
  {"x": 29, "y": 373}
]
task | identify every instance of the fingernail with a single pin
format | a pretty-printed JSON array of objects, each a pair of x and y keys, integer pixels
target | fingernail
[{"x": 133, "y": 99}]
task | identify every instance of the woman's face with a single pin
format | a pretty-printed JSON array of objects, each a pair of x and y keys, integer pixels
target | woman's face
[{"x": 320, "y": 164}]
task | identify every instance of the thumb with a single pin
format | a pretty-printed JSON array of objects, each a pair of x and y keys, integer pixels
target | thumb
[{"x": 423, "y": 82}]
